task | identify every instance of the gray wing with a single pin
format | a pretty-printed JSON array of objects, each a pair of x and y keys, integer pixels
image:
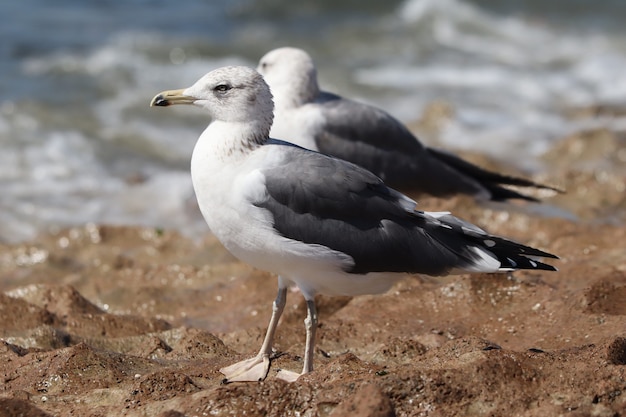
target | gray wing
[
  {"x": 322, "y": 200},
  {"x": 373, "y": 139},
  {"x": 353, "y": 122},
  {"x": 376, "y": 141}
]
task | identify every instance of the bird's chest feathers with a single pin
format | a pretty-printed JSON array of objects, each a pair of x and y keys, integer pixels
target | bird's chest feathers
[
  {"x": 226, "y": 185},
  {"x": 218, "y": 157}
]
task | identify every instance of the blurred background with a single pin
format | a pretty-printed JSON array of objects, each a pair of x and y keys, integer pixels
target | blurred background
[{"x": 79, "y": 142}]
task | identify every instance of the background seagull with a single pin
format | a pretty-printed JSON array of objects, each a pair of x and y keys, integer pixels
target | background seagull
[
  {"x": 322, "y": 223},
  {"x": 370, "y": 137}
]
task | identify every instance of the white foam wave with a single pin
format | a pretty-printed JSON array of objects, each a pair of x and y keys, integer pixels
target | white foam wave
[
  {"x": 513, "y": 83},
  {"x": 53, "y": 177}
]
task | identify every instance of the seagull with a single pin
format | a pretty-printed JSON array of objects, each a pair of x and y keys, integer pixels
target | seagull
[
  {"x": 319, "y": 222},
  {"x": 370, "y": 137}
]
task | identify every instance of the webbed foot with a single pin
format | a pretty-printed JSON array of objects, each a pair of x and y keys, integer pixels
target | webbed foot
[{"x": 253, "y": 369}]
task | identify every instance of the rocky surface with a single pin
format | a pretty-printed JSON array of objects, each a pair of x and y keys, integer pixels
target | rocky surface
[{"x": 98, "y": 320}]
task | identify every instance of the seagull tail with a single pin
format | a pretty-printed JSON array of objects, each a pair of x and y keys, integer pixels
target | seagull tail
[{"x": 492, "y": 181}]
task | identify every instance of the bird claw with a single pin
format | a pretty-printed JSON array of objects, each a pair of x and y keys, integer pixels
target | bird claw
[{"x": 288, "y": 376}]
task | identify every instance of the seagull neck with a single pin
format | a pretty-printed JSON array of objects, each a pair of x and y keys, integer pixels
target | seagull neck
[
  {"x": 294, "y": 95},
  {"x": 234, "y": 139}
]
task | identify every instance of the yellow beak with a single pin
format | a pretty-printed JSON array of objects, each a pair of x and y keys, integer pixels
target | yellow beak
[{"x": 171, "y": 97}]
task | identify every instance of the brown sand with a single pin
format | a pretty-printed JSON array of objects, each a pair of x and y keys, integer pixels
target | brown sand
[{"x": 99, "y": 321}]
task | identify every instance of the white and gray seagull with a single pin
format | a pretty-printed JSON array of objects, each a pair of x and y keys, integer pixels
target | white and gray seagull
[
  {"x": 322, "y": 223},
  {"x": 370, "y": 137}
]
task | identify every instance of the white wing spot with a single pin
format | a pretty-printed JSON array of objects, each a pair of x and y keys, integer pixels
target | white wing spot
[
  {"x": 437, "y": 214},
  {"x": 513, "y": 263},
  {"x": 489, "y": 243},
  {"x": 533, "y": 263}
]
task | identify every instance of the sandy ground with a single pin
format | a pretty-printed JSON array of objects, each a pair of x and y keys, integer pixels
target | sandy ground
[{"x": 100, "y": 320}]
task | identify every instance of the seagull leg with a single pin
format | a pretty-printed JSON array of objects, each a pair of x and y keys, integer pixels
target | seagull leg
[
  {"x": 310, "y": 323},
  {"x": 255, "y": 369},
  {"x": 311, "y": 327}
]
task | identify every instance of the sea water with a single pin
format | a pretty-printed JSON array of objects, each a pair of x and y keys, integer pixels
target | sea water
[{"x": 80, "y": 144}]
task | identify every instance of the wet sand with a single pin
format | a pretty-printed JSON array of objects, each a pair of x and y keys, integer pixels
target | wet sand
[{"x": 102, "y": 320}]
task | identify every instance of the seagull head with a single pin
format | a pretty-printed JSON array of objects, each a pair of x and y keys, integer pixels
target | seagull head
[
  {"x": 229, "y": 94},
  {"x": 291, "y": 74}
]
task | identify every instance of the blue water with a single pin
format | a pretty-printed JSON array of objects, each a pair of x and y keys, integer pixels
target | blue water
[{"x": 80, "y": 144}]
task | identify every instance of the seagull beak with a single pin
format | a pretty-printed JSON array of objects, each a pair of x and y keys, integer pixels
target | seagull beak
[{"x": 171, "y": 97}]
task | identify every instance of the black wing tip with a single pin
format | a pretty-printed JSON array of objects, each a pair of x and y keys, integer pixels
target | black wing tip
[
  {"x": 521, "y": 262},
  {"x": 516, "y": 255},
  {"x": 544, "y": 267},
  {"x": 511, "y": 247},
  {"x": 502, "y": 195},
  {"x": 540, "y": 253},
  {"x": 494, "y": 182},
  {"x": 523, "y": 182}
]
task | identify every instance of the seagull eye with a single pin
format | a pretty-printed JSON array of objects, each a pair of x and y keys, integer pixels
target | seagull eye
[{"x": 222, "y": 87}]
